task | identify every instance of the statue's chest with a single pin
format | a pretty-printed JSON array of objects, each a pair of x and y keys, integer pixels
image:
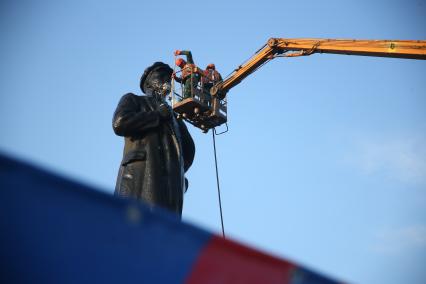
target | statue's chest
[{"x": 147, "y": 104}]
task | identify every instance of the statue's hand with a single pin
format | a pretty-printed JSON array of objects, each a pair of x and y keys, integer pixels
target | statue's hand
[
  {"x": 165, "y": 111},
  {"x": 186, "y": 185}
]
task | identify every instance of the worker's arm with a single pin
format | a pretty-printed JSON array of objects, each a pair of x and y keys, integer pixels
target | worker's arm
[
  {"x": 220, "y": 77},
  {"x": 188, "y": 54},
  {"x": 129, "y": 121}
]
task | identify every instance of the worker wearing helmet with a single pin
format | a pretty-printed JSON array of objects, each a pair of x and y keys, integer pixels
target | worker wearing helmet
[
  {"x": 190, "y": 74},
  {"x": 210, "y": 77}
]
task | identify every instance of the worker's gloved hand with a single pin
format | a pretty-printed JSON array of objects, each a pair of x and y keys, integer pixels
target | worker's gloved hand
[
  {"x": 174, "y": 75},
  {"x": 177, "y": 52},
  {"x": 165, "y": 111}
]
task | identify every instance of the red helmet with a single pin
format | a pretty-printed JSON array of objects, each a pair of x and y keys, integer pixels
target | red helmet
[
  {"x": 211, "y": 66},
  {"x": 180, "y": 62}
]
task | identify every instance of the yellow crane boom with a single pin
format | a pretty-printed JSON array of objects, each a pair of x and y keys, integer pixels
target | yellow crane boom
[{"x": 282, "y": 47}]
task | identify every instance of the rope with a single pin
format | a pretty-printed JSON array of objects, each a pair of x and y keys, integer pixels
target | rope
[
  {"x": 172, "y": 93},
  {"x": 223, "y": 132},
  {"x": 218, "y": 186}
]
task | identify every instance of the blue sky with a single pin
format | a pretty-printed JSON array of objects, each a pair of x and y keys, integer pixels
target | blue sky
[{"x": 325, "y": 160}]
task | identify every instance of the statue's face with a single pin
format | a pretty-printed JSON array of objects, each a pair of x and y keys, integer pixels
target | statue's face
[{"x": 159, "y": 83}]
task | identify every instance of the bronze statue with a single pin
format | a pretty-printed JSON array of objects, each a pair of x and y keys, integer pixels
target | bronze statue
[{"x": 158, "y": 148}]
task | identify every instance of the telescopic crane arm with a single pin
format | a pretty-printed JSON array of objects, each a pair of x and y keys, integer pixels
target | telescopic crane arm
[{"x": 281, "y": 47}]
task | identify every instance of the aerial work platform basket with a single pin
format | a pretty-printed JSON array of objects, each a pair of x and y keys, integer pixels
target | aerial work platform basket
[{"x": 198, "y": 108}]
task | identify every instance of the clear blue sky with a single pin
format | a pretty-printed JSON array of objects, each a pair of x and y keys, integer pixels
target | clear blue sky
[{"x": 325, "y": 160}]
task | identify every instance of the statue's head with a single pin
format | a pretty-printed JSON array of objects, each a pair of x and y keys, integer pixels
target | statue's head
[{"x": 156, "y": 79}]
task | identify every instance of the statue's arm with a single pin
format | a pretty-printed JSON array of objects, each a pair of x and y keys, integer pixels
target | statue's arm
[
  {"x": 178, "y": 79},
  {"x": 129, "y": 121},
  {"x": 188, "y": 146}
]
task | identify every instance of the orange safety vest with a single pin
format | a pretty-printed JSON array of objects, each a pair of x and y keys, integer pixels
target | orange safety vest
[{"x": 211, "y": 76}]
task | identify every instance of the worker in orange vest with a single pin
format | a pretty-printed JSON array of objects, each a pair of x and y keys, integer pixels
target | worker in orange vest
[
  {"x": 210, "y": 77},
  {"x": 190, "y": 73}
]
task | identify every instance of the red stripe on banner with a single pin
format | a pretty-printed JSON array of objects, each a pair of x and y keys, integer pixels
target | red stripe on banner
[{"x": 224, "y": 261}]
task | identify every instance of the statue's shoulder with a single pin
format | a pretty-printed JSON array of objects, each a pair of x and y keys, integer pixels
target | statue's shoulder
[
  {"x": 130, "y": 98},
  {"x": 136, "y": 101}
]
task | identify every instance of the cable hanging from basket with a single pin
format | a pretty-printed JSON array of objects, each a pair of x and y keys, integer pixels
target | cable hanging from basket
[{"x": 217, "y": 182}]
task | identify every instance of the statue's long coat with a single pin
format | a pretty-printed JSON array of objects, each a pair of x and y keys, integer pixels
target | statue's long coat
[{"x": 156, "y": 155}]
